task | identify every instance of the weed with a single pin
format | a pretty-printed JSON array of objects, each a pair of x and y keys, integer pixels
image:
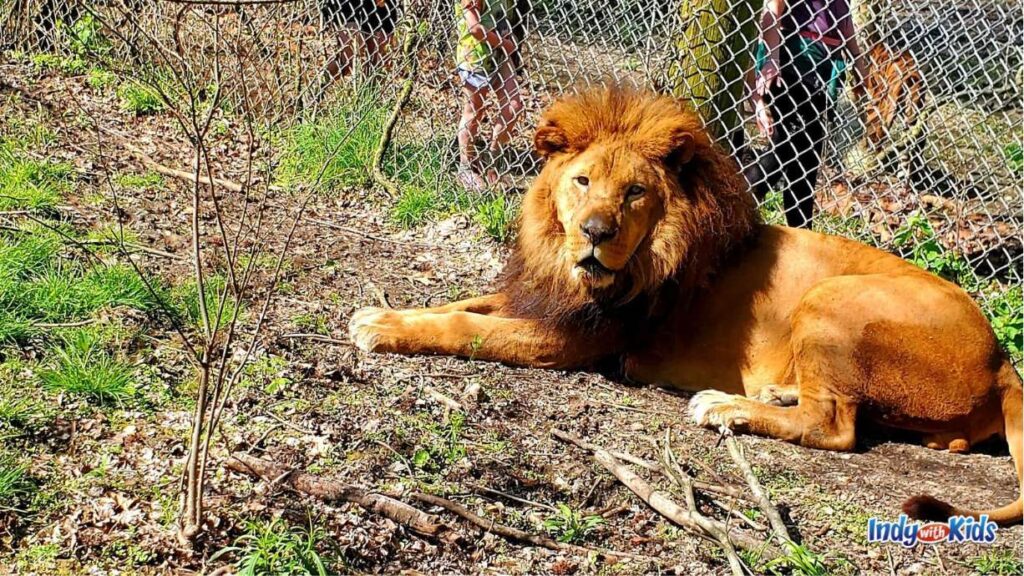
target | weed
[
  {"x": 1014, "y": 155},
  {"x": 1001, "y": 562},
  {"x": 496, "y": 217},
  {"x": 140, "y": 99},
  {"x": 277, "y": 548},
  {"x": 570, "y": 526},
  {"x": 918, "y": 241},
  {"x": 445, "y": 446},
  {"x": 268, "y": 372},
  {"x": 83, "y": 367},
  {"x": 414, "y": 206},
  {"x": 45, "y": 61}
]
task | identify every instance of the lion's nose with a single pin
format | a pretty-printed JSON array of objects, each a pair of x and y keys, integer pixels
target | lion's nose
[{"x": 597, "y": 229}]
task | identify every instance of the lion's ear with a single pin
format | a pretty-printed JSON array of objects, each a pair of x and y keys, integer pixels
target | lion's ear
[
  {"x": 550, "y": 140},
  {"x": 681, "y": 151}
]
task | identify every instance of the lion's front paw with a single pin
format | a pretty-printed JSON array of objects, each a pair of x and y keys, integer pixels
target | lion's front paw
[
  {"x": 715, "y": 409},
  {"x": 374, "y": 329}
]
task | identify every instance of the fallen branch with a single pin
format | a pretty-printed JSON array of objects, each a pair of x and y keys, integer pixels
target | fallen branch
[
  {"x": 315, "y": 338},
  {"x": 762, "y": 500},
  {"x": 400, "y": 512},
  {"x": 516, "y": 534},
  {"x": 659, "y": 501}
]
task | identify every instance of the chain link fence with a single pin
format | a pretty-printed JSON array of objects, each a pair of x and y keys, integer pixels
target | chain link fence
[{"x": 431, "y": 102}]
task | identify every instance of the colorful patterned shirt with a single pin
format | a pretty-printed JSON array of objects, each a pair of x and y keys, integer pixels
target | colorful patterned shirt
[{"x": 476, "y": 55}]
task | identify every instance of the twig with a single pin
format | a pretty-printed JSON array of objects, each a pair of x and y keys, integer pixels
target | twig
[
  {"x": 64, "y": 324},
  {"x": 442, "y": 399},
  {"x": 316, "y": 338},
  {"x": 501, "y": 494},
  {"x": 762, "y": 500},
  {"x": 288, "y": 424},
  {"x": 134, "y": 246},
  {"x": 400, "y": 512},
  {"x": 740, "y": 515}
]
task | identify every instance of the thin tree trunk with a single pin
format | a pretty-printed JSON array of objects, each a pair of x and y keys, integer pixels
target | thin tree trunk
[{"x": 716, "y": 49}]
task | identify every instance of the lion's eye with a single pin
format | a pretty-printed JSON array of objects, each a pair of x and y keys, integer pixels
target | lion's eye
[
  {"x": 635, "y": 191},
  {"x": 582, "y": 181}
]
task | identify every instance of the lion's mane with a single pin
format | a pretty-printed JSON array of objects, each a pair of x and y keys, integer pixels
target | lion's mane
[{"x": 708, "y": 213}]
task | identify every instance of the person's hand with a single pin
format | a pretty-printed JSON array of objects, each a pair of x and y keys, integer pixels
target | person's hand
[
  {"x": 768, "y": 78},
  {"x": 763, "y": 116}
]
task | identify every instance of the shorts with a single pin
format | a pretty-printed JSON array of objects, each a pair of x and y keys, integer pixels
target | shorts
[
  {"x": 478, "y": 79},
  {"x": 366, "y": 14}
]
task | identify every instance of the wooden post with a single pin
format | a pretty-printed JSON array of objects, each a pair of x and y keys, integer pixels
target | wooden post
[{"x": 716, "y": 49}]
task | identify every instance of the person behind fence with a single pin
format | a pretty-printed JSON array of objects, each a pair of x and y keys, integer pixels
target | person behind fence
[
  {"x": 365, "y": 29},
  {"x": 486, "y": 61},
  {"x": 800, "y": 65}
]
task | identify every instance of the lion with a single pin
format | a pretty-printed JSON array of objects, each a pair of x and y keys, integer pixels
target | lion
[{"x": 640, "y": 243}]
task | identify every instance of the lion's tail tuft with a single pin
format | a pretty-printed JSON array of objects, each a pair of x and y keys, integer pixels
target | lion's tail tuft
[{"x": 928, "y": 508}]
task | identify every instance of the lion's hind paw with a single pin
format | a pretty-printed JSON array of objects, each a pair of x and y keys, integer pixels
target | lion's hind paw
[{"x": 715, "y": 409}]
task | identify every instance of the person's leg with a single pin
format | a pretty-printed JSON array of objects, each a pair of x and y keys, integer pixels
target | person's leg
[
  {"x": 469, "y": 126},
  {"x": 510, "y": 106}
]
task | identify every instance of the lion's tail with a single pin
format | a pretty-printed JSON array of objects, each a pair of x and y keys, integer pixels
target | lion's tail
[{"x": 928, "y": 508}]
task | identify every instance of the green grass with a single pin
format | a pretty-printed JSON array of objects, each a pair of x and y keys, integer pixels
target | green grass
[
  {"x": 497, "y": 217},
  {"x": 143, "y": 181},
  {"x": 30, "y": 184},
  {"x": 139, "y": 99},
  {"x": 341, "y": 142},
  {"x": 82, "y": 366},
  {"x": 274, "y": 547},
  {"x": 414, "y": 206},
  {"x": 1001, "y": 562},
  {"x": 15, "y": 484},
  {"x": 185, "y": 298}
]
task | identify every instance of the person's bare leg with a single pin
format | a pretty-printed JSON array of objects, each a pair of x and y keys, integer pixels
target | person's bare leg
[
  {"x": 469, "y": 126},
  {"x": 510, "y": 106}
]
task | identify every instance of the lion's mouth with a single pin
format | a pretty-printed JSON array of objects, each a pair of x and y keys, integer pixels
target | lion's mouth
[{"x": 592, "y": 270}]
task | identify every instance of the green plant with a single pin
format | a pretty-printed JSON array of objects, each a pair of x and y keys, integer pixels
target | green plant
[
  {"x": 413, "y": 206},
  {"x": 186, "y": 300},
  {"x": 139, "y": 99},
  {"x": 99, "y": 79},
  {"x": 772, "y": 209},
  {"x": 570, "y": 526},
  {"x": 276, "y": 548},
  {"x": 797, "y": 559},
  {"x": 269, "y": 372},
  {"x": 1001, "y": 562},
  {"x": 1005, "y": 310},
  {"x": 496, "y": 217},
  {"x": 84, "y": 37},
  {"x": 1014, "y": 155},
  {"x": 82, "y": 366},
  {"x": 917, "y": 240}
]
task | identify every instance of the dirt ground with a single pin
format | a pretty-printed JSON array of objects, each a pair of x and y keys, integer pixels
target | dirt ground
[{"x": 366, "y": 419}]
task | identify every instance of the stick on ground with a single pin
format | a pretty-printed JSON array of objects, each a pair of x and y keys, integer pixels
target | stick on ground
[{"x": 762, "y": 500}]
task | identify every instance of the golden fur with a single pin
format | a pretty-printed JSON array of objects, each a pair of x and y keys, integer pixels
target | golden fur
[{"x": 640, "y": 243}]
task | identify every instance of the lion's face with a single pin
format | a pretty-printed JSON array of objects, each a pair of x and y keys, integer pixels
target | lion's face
[{"x": 608, "y": 199}]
